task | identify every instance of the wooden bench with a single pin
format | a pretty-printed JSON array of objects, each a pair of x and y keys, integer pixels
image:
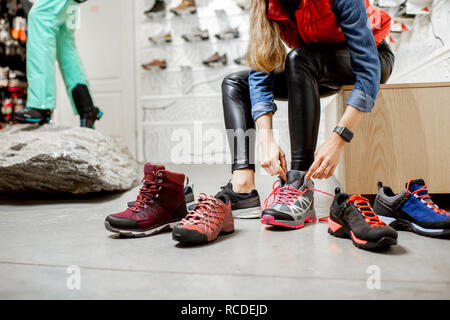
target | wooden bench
[{"x": 406, "y": 136}]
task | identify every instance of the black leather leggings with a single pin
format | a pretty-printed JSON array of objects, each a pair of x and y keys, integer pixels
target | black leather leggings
[{"x": 310, "y": 72}]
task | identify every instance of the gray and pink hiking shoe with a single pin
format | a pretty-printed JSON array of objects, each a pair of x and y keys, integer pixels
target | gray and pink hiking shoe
[{"x": 293, "y": 203}]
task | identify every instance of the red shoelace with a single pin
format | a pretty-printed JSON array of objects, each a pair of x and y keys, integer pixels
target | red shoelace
[
  {"x": 146, "y": 193},
  {"x": 205, "y": 212},
  {"x": 364, "y": 207},
  {"x": 426, "y": 198}
]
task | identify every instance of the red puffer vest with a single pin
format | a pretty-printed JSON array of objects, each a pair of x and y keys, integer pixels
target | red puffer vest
[{"x": 317, "y": 23}]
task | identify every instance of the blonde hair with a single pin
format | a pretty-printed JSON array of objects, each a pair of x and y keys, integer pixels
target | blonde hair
[{"x": 266, "y": 51}]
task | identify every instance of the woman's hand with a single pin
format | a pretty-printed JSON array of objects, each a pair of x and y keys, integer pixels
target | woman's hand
[
  {"x": 273, "y": 159},
  {"x": 326, "y": 158}
]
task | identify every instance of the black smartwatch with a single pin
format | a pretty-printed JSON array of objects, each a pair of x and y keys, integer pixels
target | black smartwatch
[{"x": 344, "y": 132}]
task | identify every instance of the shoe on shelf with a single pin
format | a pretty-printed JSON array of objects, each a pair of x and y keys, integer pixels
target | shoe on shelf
[
  {"x": 209, "y": 218},
  {"x": 4, "y": 77},
  {"x": 243, "y": 205},
  {"x": 162, "y": 64},
  {"x": 160, "y": 205},
  {"x": 186, "y": 6},
  {"x": 242, "y": 61},
  {"x": 32, "y": 115},
  {"x": 161, "y": 38},
  {"x": 7, "y": 109},
  {"x": 216, "y": 60},
  {"x": 412, "y": 210},
  {"x": 188, "y": 195},
  {"x": 293, "y": 203},
  {"x": 196, "y": 35},
  {"x": 231, "y": 33},
  {"x": 87, "y": 120},
  {"x": 352, "y": 217},
  {"x": 157, "y": 11}
]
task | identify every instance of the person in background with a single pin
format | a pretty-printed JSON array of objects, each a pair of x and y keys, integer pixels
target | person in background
[
  {"x": 333, "y": 43},
  {"x": 51, "y": 28}
]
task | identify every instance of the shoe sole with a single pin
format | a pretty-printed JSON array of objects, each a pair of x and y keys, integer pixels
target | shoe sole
[
  {"x": 194, "y": 38},
  {"x": 31, "y": 120},
  {"x": 271, "y": 221},
  {"x": 181, "y": 12},
  {"x": 153, "y": 68},
  {"x": 405, "y": 225},
  {"x": 193, "y": 237},
  {"x": 156, "y": 15},
  {"x": 160, "y": 41},
  {"x": 338, "y": 231},
  {"x": 142, "y": 233},
  {"x": 248, "y": 213},
  {"x": 227, "y": 36},
  {"x": 216, "y": 64}
]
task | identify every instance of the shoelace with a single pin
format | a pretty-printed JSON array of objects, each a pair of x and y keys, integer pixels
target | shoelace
[
  {"x": 146, "y": 193},
  {"x": 287, "y": 194},
  {"x": 426, "y": 198},
  {"x": 364, "y": 207},
  {"x": 282, "y": 195},
  {"x": 205, "y": 212}
]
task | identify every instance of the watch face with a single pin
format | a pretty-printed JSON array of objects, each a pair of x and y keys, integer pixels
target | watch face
[
  {"x": 348, "y": 134},
  {"x": 345, "y": 133}
]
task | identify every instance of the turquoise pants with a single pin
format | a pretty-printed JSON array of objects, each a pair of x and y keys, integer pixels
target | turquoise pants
[{"x": 51, "y": 28}]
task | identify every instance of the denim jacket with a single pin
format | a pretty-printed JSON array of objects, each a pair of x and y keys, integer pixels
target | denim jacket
[{"x": 352, "y": 17}]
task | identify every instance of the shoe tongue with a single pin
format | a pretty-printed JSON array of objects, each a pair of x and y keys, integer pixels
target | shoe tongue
[
  {"x": 151, "y": 169},
  {"x": 223, "y": 197},
  {"x": 416, "y": 184},
  {"x": 295, "y": 178}
]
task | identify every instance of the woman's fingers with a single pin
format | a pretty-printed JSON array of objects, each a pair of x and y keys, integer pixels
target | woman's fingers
[
  {"x": 318, "y": 173},
  {"x": 283, "y": 161},
  {"x": 282, "y": 174},
  {"x": 328, "y": 171},
  {"x": 313, "y": 168},
  {"x": 332, "y": 170},
  {"x": 274, "y": 168}
]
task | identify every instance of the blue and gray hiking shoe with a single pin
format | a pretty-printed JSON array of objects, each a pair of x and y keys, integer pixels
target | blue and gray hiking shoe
[
  {"x": 32, "y": 115},
  {"x": 293, "y": 203},
  {"x": 412, "y": 210}
]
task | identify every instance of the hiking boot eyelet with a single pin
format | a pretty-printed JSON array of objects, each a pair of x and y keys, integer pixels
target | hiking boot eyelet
[{"x": 159, "y": 174}]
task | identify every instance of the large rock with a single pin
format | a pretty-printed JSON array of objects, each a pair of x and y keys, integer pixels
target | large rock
[{"x": 51, "y": 158}]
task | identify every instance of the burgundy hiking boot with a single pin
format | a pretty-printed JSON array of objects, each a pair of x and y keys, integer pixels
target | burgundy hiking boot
[{"x": 160, "y": 205}]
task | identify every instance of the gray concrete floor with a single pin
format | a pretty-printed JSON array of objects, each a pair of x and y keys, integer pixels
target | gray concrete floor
[{"x": 41, "y": 237}]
